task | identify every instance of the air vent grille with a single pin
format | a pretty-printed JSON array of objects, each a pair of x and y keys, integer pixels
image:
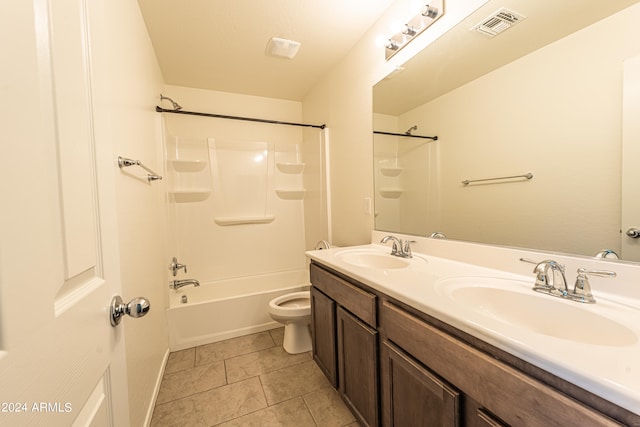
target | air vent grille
[{"x": 498, "y": 22}]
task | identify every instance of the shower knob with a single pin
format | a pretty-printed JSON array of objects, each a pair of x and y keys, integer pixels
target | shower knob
[
  {"x": 137, "y": 307},
  {"x": 175, "y": 266}
]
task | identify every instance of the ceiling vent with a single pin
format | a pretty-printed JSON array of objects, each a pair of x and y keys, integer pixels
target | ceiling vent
[
  {"x": 498, "y": 22},
  {"x": 282, "y": 48}
]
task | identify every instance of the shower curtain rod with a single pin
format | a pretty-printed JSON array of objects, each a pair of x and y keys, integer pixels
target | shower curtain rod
[
  {"x": 435, "y": 138},
  {"x": 248, "y": 119}
]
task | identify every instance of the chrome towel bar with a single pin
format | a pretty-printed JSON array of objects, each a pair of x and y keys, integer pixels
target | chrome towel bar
[
  {"x": 123, "y": 162},
  {"x": 469, "y": 181}
]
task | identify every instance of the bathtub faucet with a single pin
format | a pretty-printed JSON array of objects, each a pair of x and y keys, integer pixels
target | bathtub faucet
[{"x": 177, "y": 284}]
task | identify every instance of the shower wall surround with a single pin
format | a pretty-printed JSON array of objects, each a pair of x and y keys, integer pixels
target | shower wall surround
[{"x": 236, "y": 188}]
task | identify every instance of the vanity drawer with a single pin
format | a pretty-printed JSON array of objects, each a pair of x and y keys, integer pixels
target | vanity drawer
[
  {"x": 359, "y": 302},
  {"x": 510, "y": 394}
]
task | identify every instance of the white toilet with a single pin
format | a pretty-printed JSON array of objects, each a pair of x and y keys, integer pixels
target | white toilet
[{"x": 294, "y": 311}]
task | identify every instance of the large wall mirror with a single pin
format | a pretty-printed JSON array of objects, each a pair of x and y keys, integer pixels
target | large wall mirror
[{"x": 547, "y": 98}]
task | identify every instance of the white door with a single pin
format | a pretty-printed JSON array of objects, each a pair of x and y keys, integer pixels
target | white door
[
  {"x": 61, "y": 362},
  {"x": 630, "y": 155}
]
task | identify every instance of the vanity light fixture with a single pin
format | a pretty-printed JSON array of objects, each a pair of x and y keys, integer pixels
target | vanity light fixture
[
  {"x": 391, "y": 45},
  {"x": 408, "y": 30},
  {"x": 429, "y": 14}
]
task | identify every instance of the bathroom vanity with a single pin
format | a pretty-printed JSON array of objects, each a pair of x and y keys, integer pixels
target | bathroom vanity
[{"x": 397, "y": 360}]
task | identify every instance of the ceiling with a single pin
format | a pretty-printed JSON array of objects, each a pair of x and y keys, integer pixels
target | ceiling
[{"x": 220, "y": 44}]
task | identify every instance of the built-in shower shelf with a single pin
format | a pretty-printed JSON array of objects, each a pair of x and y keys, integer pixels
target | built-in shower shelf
[
  {"x": 188, "y": 165},
  {"x": 290, "y": 167},
  {"x": 391, "y": 193},
  {"x": 238, "y": 220},
  {"x": 391, "y": 171},
  {"x": 190, "y": 195},
  {"x": 291, "y": 193}
]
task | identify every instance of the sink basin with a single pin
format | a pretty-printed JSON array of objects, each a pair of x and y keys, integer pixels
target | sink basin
[
  {"x": 374, "y": 259},
  {"x": 515, "y": 303}
]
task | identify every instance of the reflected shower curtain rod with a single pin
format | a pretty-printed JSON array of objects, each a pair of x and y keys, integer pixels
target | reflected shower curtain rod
[
  {"x": 434, "y": 138},
  {"x": 247, "y": 119}
]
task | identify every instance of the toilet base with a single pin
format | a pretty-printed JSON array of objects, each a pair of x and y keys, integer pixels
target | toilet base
[{"x": 297, "y": 338}]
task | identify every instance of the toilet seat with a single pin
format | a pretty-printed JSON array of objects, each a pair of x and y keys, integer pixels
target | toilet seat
[{"x": 296, "y": 304}]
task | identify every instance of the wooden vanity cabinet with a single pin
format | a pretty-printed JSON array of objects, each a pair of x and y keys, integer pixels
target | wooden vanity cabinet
[
  {"x": 345, "y": 341},
  {"x": 413, "y": 396},
  {"x": 499, "y": 391},
  {"x": 396, "y": 366},
  {"x": 323, "y": 334},
  {"x": 358, "y": 366}
]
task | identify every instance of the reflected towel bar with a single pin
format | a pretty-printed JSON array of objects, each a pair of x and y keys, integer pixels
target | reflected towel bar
[
  {"x": 469, "y": 181},
  {"x": 123, "y": 162}
]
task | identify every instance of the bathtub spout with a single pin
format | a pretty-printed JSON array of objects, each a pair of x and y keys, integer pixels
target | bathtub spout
[{"x": 177, "y": 284}]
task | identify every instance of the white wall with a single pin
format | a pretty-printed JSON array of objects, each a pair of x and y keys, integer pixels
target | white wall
[
  {"x": 342, "y": 100},
  {"x": 129, "y": 83}
]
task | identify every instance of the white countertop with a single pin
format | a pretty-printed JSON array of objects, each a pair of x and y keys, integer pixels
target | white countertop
[{"x": 611, "y": 371}]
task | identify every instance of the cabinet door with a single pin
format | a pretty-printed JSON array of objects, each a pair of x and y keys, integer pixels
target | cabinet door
[
  {"x": 484, "y": 419},
  {"x": 413, "y": 396},
  {"x": 323, "y": 334},
  {"x": 358, "y": 367}
]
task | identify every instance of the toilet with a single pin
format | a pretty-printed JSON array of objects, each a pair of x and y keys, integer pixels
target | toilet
[{"x": 294, "y": 311}]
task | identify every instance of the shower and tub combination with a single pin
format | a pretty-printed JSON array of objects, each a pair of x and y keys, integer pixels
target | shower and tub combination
[
  {"x": 240, "y": 201},
  {"x": 228, "y": 308}
]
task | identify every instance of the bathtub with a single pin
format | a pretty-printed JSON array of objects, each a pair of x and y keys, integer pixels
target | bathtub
[{"x": 219, "y": 310}]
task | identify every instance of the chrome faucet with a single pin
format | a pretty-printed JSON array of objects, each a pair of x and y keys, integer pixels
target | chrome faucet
[
  {"x": 177, "y": 284},
  {"x": 550, "y": 278},
  {"x": 398, "y": 248},
  {"x": 607, "y": 253}
]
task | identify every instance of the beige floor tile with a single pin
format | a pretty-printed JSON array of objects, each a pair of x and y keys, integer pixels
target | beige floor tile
[
  {"x": 191, "y": 381},
  {"x": 211, "y": 407},
  {"x": 231, "y": 401},
  {"x": 293, "y": 381},
  {"x": 327, "y": 408},
  {"x": 261, "y": 362},
  {"x": 293, "y": 413},
  {"x": 221, "y": 350},
  {"x": 277, "y": 335},
  {"x": 181, "y": 360},
  {"x": 179, "y": 413}
]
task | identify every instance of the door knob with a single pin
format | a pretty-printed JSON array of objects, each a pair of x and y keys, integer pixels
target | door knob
[
  {"x": 137, "y": 307},
  {"x": 634, "y": 233}
]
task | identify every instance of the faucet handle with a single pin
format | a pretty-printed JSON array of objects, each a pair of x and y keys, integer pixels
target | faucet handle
[
  {"x": 175, "y": 266},
  {"x": 582, "y": 288},
  {"x": 407, "y": 248}
]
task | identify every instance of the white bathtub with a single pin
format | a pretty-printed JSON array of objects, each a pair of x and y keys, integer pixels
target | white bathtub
[{"x": 219, "y": 310}]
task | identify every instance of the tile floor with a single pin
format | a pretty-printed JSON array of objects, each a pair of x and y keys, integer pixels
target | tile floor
[{"x": 247, "y": 381}]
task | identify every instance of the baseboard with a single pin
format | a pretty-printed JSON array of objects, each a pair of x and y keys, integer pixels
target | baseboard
[{"x": 156, "y": 389}]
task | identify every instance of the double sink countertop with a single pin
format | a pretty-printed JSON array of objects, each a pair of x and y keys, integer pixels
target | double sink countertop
[{"x": 594, "y": 346}]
